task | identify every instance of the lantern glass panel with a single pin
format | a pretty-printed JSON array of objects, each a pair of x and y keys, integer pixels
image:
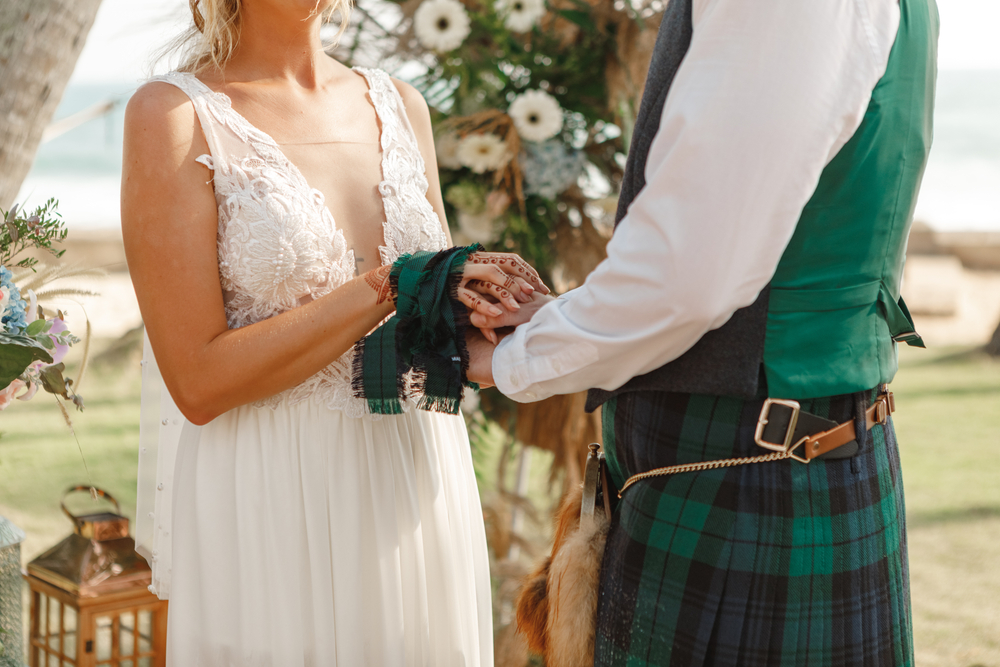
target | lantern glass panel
[
  {"x": 69, "y": 628},
  {"x": 69, "y": 618},
  {"x": 145, "y": 632},
  {"x": 53, "y": 660},
  {"x": 126, "y": 640},
  {"x": 125, "y": 663},
  {"x": 55, "y": 610},
  {"x": 69, "y": 645},
  {"x": 103, "y": 638},
  {"x": 43, "y": 615},
  {"x": 145, "y": 662}
]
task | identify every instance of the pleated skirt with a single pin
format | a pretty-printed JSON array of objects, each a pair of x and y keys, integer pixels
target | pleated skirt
[
  {"x": 305, "y": 538},
  {"x": 766, "y": 564}
]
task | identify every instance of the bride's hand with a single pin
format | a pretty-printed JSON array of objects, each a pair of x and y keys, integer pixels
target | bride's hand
[
  {"x": 496, "y": 282},
  {"x": 510, "y": 319}
]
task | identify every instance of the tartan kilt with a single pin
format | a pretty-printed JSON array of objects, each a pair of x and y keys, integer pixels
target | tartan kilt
[{"x": 765, "y": 564}]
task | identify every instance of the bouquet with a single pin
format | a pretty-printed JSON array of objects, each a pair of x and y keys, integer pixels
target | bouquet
[{"x": 33, "y": 340}]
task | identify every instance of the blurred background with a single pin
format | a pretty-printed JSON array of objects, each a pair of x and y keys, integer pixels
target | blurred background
[{"x": 948, "y": 396}]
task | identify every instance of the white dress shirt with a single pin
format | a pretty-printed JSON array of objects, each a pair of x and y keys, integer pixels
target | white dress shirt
[{"x": 768, "y": 93}]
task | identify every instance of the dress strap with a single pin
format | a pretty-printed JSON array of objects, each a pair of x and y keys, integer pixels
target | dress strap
[
  {"x": 226, "y": 131},
  {"x": 206, "y": 106},
  {"x": 404, "y": 183}
]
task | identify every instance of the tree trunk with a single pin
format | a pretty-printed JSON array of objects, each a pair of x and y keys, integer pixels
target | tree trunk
[
  {"x": 993, "y": 347},
  {"x": 40, "y": 41}
]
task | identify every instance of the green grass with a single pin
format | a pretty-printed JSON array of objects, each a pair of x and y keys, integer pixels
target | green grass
[
  {"x": 40, "y": 459},
  {"x": 948, "y": 425},
  {"x": 947, "y": 420}
]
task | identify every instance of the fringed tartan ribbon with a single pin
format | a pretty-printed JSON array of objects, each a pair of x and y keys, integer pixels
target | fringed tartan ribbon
[{"x": 426, "y": 335}]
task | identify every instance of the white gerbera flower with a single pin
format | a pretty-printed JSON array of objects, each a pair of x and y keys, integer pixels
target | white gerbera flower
[
  {"x": 521, "y": 15},
  {"x": 441, "y": 25},
  {"x": 536, "y": 115},
  {"x": 446, "y": 147},
  {"x": 478, "y": 227},
  {"x": 482, "y": 152}
]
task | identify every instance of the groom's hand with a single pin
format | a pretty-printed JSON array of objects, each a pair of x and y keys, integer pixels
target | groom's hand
[
  {"x": 511, "y": 318},
  {"x": 480, "y": 357}
]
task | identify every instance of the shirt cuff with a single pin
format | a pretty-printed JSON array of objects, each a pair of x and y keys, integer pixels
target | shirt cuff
[
  {"x": 510, "y": 369},
  {"x": 526, "y": 377}
]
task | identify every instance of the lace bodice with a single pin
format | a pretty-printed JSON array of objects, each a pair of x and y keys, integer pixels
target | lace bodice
[{"x": 279, "y": 246}]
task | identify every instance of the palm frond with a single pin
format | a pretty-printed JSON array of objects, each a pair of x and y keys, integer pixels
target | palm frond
[
  {"x": 57, "y": 293},
  {"x": 86, "y": 355},
  {"x": 47, "y": 273}
]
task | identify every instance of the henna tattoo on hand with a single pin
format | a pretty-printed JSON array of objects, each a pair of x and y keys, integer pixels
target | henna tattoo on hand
[
  {"x": 492, "y": 287},
  {"x": 516, "y": 262},
  {"x": 378, "y": 280}
]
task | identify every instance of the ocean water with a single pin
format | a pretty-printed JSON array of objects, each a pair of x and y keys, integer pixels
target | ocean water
[
  {"x": 82, "y": 168},
  {"x": 961, "y": 188}
]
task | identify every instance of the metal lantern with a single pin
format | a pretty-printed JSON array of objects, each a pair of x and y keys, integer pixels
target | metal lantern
[
  {"x": 90, "y": 604},
  {"x": 10, "y": 594}
]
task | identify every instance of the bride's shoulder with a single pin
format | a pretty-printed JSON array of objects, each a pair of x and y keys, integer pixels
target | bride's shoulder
[
  {"x": 157, "y": 100},
  {"x": 159, "y": 113},
  {"x": 412, "y": 98}
]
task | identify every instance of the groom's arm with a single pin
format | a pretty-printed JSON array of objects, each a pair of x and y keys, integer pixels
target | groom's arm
[{"x": 768, "y": 93}]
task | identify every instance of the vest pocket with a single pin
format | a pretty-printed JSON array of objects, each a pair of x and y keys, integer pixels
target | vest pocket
[
  {"x": 827, "y": 342},
  {"x": 820, "y": 300},
  {"x": 893, "y": 311}
]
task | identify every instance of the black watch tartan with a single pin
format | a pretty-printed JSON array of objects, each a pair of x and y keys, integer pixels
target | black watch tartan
[{"x": 761, "y": 565}]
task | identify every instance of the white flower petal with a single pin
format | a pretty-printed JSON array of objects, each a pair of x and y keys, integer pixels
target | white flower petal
[
  {"x": 441, "y": 25},
  {"x": 536, "y": 115},
  {"x": 446, "y": 147},
  {"x": 521, "y": 15},
  {"x": 478, "y": 228},
  {"x": 482, "y": 152}
]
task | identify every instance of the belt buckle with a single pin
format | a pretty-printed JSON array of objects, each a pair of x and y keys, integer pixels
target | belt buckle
[
  {"x": 885, "y": 405},
  {"x": 765, "y": 412}
]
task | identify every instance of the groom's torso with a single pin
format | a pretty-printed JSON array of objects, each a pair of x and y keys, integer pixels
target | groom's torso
[{"x": 828, "y": 321}]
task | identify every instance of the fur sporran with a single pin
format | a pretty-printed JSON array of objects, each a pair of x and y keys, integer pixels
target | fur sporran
[{"x": 557, "y": 607}]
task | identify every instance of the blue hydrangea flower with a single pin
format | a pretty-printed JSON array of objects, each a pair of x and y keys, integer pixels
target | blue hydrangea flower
[
  {"x": 550, "y": 167},
  {"x": 13, "y": 316}
]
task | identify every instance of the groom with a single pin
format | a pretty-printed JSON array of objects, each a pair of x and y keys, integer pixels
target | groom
[{"x": 761, "y": 233}]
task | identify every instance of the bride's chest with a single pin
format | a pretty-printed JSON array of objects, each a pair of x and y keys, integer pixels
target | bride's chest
[
  {"x": 278, "y": 242},
  {"x": 280, "y": 245}
]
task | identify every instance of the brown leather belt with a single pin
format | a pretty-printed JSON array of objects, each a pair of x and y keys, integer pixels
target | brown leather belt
[{"x": 784, "y": 427}]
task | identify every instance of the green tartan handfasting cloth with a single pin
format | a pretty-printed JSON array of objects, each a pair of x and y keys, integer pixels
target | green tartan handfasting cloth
[{"x": 426, "y": 336}]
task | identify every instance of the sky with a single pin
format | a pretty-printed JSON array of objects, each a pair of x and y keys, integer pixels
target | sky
[{"x": 127, "y": 32}]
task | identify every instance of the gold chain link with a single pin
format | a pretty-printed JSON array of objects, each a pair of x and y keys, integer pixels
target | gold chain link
[{"x": 704, "y": 465}]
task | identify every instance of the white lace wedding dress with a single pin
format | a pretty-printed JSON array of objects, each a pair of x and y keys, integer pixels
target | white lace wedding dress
[{"x": 304, "y": 532}]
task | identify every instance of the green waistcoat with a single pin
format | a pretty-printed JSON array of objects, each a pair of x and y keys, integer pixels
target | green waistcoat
[{"x": 834, "y": 313}]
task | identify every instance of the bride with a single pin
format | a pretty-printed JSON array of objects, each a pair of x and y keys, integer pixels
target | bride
[{"x": 267, "y": 190}]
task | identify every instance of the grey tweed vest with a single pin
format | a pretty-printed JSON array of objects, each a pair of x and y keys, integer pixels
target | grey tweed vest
[{"x": 725, "y": 361}]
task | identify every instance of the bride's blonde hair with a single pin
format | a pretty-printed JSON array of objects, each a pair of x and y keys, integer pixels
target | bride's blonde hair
[{"x": 210, "y": 42}]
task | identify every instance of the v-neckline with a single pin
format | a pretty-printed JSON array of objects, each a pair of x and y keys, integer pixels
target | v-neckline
[{"x": 227, "y": 104}]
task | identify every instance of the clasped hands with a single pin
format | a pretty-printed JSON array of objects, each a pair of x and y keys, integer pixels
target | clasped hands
[{"x": 501, "y": 291}]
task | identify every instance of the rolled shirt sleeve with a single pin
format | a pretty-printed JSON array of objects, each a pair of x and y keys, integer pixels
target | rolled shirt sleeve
[{"x": 766, "y": 96}]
